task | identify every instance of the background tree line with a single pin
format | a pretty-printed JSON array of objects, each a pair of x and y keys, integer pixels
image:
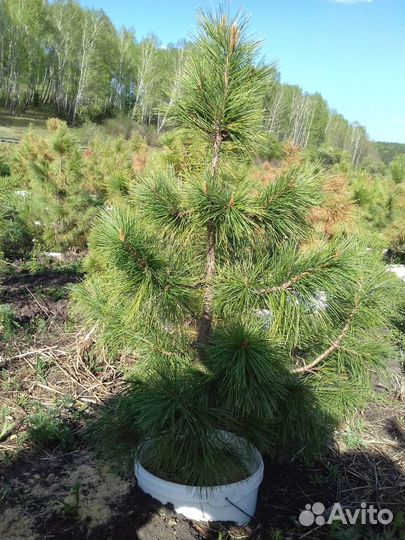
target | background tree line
[{"x": 72, "y": 62}]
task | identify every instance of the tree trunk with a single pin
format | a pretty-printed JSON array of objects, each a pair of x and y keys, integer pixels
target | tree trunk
[{"x": 205, "y": 325}]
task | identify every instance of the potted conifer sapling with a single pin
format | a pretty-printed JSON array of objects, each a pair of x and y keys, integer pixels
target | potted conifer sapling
[{"x": 212, "y": 281}]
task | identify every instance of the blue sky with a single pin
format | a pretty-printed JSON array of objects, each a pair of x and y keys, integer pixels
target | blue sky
[{"x": 351, "y": 51}]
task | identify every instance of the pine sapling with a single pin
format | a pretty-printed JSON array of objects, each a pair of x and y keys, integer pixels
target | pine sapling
[{"x": 239, "y": 315}]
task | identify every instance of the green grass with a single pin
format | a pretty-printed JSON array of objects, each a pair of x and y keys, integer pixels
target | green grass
[
  {"x": 7, "y": 322},
  {"x": 353, "y": 435},
  {"x": 5, "y": 424},
  {"x": 16, "y": 126},
  {"x": 46, "y": 430}
]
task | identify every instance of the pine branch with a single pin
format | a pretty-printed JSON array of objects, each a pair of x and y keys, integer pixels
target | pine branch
[
  {"x": 333, "y": 347},
  {"x": 288, "y": 284},
  {"x": 133, "y": 252}
]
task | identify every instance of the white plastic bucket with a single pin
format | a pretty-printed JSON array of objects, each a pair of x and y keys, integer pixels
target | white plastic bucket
[
  {"x": 229, "y": 502},
  {"x": 398, "y": 269}
]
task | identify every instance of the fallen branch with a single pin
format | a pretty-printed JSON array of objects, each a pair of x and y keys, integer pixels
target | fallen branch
[
  {"x": 43, "y": 308},
  {"x": 50, "y": 389},
  {"x": 4, "y": 361}
]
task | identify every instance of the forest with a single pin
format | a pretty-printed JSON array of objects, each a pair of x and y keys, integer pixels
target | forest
[
  {"x": 201, "y": 291},
  {"x": 73, "y": 63}
]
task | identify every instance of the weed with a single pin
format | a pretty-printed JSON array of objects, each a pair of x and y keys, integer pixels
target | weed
[
  {"x": 69, "y": 325},
  {"x": 4, "y": 493},
  {"x": 66, "y": 403},
  {"x": 8, "y": 324},
  {"x": 93, "y": 363},
  {"x": 57, "y": 293},
  {"x": 333, "y": 470},
  {"x": 318, "y": 479},
  {"x": 22, "y": 401},
  {"x": 10, "y": 382},
  {"x": 34, "y": 264},
  {"x": 5, "y": 422},
  {"x": 330, "y": 473},
  {"x": 276, "y": 534},
  {"x": 352, "y": 436},
  {"x": 41, "y": 325},
  {"x": 70, "y": 505},
  {"x": 47, "y": 430},
  {"x": 42, "y": 366},
  {"x": 398, "y": 525}
]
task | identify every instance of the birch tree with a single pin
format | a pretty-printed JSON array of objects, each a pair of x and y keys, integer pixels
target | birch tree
[
  {"x": 173, "y": 90},
  {"x": 125, "y": 66},
  {"x": 301, "y": 116},
  {"x": 275, "y": 109},
  {"x": 143, "y": 79},
  {"x": 356, "y": 144},
  {"x": 90, "y": 31}
]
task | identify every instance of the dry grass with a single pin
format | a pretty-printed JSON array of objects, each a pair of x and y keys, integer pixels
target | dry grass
[{"x": 73, "y": 374}]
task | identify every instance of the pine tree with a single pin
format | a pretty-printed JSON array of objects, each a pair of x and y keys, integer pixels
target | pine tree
[
  {"x": 241, "y": 316},
  {"x": 57, "y": 206}
]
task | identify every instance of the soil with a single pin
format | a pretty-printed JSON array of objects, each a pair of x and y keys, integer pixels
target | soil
[
  {"x": 41, "y": 295},
  {"x": 40, "y": 504},
  {"x": 75, "y": 494}
]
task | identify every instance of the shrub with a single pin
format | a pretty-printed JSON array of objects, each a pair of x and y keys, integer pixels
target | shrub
[
  {"x": 109, "y": 166},
  {"x": 15, "y": 235},
  {"x": 4, "y": 160},
  {"x": 271, "y": 148},
  {"x": 121, "y": 126},
  {"x": 326, "y": 155}
]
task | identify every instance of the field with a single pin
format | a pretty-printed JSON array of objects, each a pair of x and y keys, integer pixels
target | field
[{"x": 14, "y": 127}]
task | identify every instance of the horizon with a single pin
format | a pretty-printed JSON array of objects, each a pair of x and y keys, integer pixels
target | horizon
[{"x": 350, "y": 51}]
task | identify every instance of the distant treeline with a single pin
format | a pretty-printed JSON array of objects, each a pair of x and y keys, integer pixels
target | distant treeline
[
  {"x": 73, "y": 63},
  {"x": 388, "y": 151}
]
